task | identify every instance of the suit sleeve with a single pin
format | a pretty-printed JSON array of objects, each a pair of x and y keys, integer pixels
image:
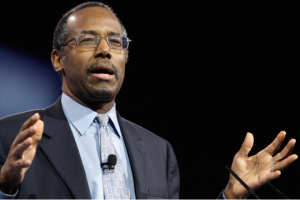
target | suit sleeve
[{"x": 173, "y": 174}]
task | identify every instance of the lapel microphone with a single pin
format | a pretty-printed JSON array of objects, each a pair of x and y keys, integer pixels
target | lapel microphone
[{"x": 110, "y": 164}]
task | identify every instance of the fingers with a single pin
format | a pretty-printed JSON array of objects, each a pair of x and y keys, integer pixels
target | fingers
[
  {"x": 273, "y": 175},
  {"x": 20, "y": 148},
  {"x": 30, "y": 121},
  {"x": 22, "y": 151},
  {"x": 19, "y": 164},
  {"x": 23, "y": 135},
  {"x": 285, "y": 152},
  {"x": 32, "y": 126},
  {"x": 247, "y": 145},
  {"x": 31, "y": 133},
  {"x": 275, "y": 145},
  {"x": 277, "y": 168},
  {"x": 285, "y": 163},
  {"x": 283, "y": 159},
  {"x": 39, "y": 129}
]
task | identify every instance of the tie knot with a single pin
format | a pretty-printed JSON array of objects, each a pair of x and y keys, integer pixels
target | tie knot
[{"x": 102, "y": 119}]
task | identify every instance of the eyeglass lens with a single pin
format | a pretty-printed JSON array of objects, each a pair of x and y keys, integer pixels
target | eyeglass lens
[{"x": 91, "y": 41}]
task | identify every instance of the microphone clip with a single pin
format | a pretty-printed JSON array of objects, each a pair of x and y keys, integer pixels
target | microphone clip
[{"x": 109, "y": 166}]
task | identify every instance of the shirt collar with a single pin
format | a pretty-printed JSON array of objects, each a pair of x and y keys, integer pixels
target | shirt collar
[{"x": 82, "y": 117}]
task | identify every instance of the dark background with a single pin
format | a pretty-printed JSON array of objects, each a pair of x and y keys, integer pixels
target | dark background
[{"x": 200, "y": 74}]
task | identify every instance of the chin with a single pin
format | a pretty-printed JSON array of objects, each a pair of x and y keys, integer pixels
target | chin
[
  {"x": 103, "y": 95},
  {"x": 96, "y": 101},
  {"x": 104, "y": 98}
]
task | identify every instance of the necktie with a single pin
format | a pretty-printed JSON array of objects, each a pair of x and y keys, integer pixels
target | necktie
[{"x": 114, "y": 182}]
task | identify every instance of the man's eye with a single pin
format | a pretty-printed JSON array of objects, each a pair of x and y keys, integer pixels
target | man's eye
[
  {"x": 115, "y": 42},
  {"x": 87, "y": 40}
]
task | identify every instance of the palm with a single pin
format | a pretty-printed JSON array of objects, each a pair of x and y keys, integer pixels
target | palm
[{"x": 255, "y": 171}]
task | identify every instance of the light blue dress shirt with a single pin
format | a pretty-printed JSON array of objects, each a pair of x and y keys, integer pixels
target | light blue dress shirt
[{"x": 85, "y": 129}]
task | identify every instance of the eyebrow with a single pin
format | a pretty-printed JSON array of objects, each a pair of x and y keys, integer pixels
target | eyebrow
[{"x": 95, "y": 33}]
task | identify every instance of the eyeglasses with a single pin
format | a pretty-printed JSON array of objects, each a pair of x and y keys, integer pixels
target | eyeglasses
[{"x": 92, "y": 41}]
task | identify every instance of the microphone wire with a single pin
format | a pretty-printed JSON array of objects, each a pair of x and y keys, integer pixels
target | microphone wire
[
  {"x": 277, "y": 190},
  {"x": 242, "y": 182}
]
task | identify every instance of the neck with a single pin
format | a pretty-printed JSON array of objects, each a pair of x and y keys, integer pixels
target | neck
[
  {"x": 96, "y": 105},
  {"x": 100, "y": 107}
]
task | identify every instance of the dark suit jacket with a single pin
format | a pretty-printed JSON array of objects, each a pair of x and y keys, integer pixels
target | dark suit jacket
[{"x": 57, "y": 170}]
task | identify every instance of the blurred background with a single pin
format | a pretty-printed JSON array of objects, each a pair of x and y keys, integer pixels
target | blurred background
[{"x": 207, "y": 71}]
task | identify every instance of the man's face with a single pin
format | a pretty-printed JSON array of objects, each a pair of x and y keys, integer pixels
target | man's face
[{"x": 96, "y": 74}]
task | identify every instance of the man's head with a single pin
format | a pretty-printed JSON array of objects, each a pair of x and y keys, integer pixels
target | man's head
[
  {"x": 61, "y": 31},
  {"x": 91, "y": 76}
]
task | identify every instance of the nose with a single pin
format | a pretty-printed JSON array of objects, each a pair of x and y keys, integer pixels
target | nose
[{"x": 102, "y": 50}]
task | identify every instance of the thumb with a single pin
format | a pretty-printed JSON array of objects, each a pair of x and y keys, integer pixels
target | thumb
[{"x": 247, "y": 145}]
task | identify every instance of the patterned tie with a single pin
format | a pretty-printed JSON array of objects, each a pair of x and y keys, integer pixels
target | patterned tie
[{"x": 114, "y": 182}]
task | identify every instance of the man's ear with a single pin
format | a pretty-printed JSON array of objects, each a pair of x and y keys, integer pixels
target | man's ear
[{"x": 56, "y": 59}]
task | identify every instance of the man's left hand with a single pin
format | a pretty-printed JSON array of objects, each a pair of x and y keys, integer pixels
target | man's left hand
[{"x": 261, "y": 168}]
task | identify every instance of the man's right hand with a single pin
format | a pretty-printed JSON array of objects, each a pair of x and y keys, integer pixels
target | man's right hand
[{"x": 21, "y": 154}]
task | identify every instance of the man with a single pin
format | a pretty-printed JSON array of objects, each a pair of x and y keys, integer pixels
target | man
[{"x": 58, "y": 152}]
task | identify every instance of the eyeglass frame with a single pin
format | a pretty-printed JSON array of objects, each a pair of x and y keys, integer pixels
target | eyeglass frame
[{"x": 98, "y": 39}]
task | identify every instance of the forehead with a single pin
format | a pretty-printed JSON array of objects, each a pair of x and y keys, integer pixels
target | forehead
[{"x": 97, "y": 19}]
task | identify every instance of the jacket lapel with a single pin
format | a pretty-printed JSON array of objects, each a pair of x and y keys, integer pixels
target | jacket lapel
[
  {"x": 136, "y": 153},
  {"x": 60, "y": 148}
]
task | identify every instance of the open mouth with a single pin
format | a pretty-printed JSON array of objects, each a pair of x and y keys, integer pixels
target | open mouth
[{"x": 102, "y": 70}]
